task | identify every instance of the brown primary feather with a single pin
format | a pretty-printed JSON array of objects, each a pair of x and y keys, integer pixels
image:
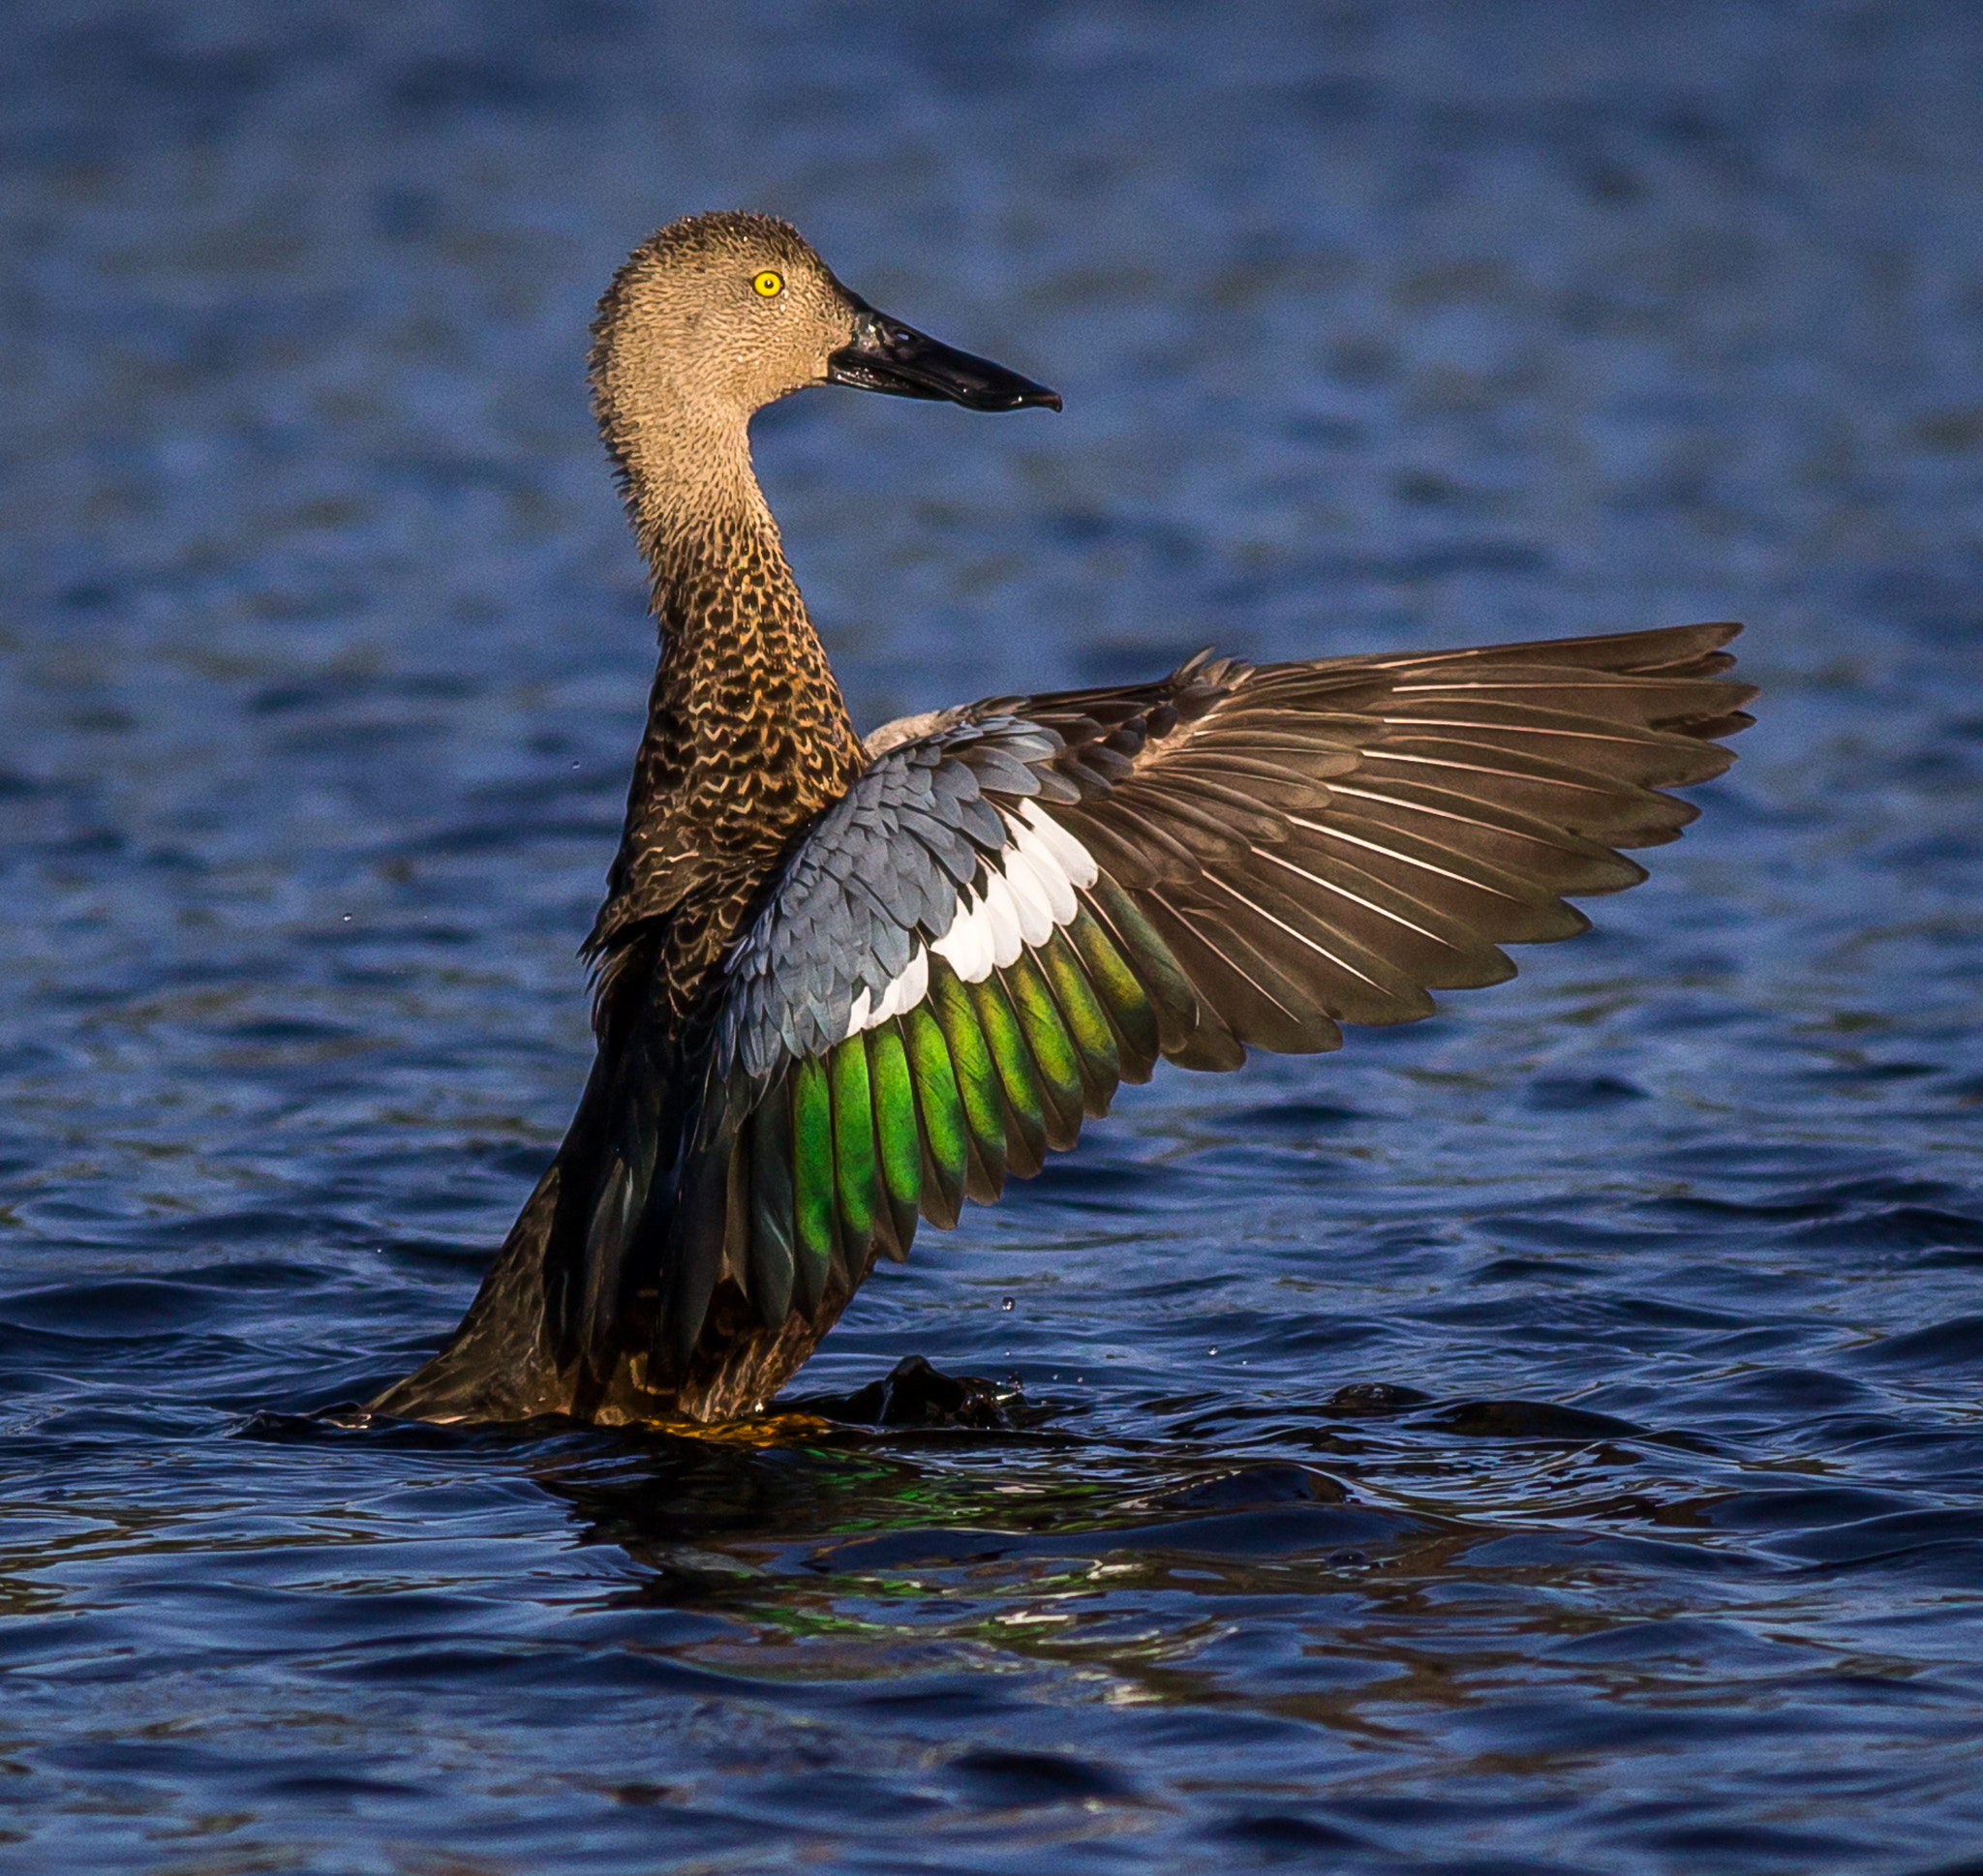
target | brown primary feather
[{"x": 1328, "y": 841}]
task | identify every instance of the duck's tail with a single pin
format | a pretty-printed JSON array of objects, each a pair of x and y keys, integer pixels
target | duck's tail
[{"x": 503, "y": 1363}]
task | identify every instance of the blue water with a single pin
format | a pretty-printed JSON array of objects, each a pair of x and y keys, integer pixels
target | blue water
[{"x": 1543, "y": 1439}]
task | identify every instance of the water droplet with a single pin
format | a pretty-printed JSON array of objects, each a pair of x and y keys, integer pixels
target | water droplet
[{"x": 1005, "y": 1303}]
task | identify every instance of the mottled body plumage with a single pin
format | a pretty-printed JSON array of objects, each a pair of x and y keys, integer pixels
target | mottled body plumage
[{"x": 843, "y": 987}]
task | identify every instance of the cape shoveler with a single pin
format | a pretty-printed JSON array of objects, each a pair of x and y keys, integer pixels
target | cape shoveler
[{"x": 842, "y": 985}]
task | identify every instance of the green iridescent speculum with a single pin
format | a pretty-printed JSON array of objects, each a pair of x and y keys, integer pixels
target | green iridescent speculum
[
  {"x": 977, "y": 1080},
  {"x": 895, "y": 1126},
  {"x": 817, "y": 1232},
  {"x": 1129, "y": 1006},
  {"x": 853, "y": 1140},
  {"x": 1094, "y": 1041},
  {"x": 1060, "y": 1081},
  {"x": 945, "y": 1127},
  {"x": 1015, "y": 1065}
]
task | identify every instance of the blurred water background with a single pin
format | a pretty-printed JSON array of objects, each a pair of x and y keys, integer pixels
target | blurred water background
[{"x": 1543, "y": 1439}]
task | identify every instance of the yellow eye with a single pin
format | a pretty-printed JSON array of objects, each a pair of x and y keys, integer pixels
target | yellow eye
[{"x": 768, "y": 285}]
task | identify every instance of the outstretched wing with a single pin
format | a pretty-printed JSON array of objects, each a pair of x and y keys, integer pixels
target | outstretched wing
[{"x": 1033, "y": 899}]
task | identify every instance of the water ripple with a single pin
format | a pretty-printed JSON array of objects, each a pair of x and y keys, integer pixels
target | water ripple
[{"x": 1540, "y": 1438}]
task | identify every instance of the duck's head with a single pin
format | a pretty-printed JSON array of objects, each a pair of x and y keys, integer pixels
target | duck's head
[{"x": 720, "y": 315}]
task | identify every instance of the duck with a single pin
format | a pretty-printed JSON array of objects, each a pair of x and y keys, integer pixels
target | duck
[{"x": 842, "y": 985}]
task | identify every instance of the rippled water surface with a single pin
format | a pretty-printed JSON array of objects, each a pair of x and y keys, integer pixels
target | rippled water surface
[{"x": 1543, "y": 1438}]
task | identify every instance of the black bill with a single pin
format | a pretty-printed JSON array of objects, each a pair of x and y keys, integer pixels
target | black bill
[{"x": 887, "y": 356}]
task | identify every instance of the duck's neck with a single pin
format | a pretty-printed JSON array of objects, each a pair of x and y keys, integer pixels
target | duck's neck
[{"x": 746, "y": 728}]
